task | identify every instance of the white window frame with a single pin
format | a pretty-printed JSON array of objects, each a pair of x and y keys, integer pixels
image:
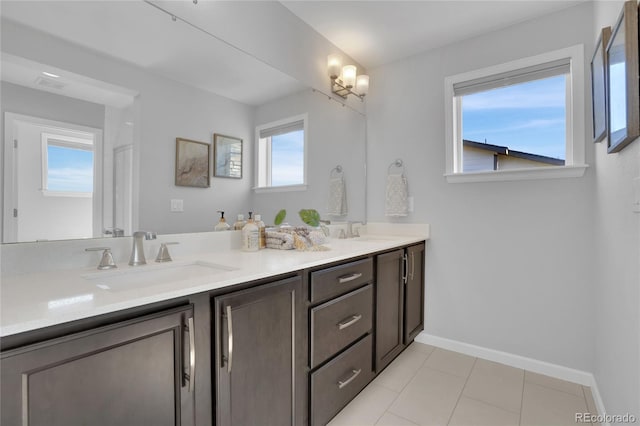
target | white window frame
[
  {"x": 85, "y": 143},
  {"x": 575, "y": 126},
  {"x": 284, "y": 188}
]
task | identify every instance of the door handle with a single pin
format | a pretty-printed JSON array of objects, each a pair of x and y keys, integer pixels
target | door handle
[
  {"x": 349, "y": 321},
  {"x": 192, "y": 354},
  {"x": 229, "y": 339},
  {"x": 413, "y": 264},
  {"x": 354, "y": 374},
  {"x": 405, "y": 269},
  {"x": 349, "y": 277}
]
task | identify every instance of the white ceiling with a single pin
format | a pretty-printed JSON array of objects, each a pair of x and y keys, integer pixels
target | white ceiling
[
  {"x": 373, "y": 32},
  {"x": 378, "y": 32},
  {"x": 138, "y": 33}
]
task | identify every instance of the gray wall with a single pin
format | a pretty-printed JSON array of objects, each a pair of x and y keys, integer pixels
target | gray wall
[
  {"x": 617, "y": 256},
  {"x": 510, "y": 264}
]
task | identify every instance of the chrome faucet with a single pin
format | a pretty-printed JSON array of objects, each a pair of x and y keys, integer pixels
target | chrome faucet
[
  {"x": 137, "y": 252},
  {"x": 349, "y": 233}
]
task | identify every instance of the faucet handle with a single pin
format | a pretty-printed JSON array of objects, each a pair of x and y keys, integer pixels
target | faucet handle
[
  {"x": 107, "y": 261},
  {"x": 163, "y": 253}
]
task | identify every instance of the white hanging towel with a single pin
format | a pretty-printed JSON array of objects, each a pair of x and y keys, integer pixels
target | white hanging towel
[
  {"x": 397, "y": 197},
  {"x": 337, "y": 196}
]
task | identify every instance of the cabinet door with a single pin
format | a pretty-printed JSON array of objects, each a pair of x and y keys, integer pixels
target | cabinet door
[
  {"x": 131, "y": 373},
  {"x": 257, "y": 355},
  {"x": 414, "y": 293},
  {"x": 389, "y": 307}
]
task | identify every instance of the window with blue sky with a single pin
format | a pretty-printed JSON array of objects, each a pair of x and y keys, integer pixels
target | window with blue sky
[
  {"x": 287, "y": 159},
  {"x": 69, "y": 169},
  {"x": 529, "y": 117},
  {"x": 281, "y": 153}
]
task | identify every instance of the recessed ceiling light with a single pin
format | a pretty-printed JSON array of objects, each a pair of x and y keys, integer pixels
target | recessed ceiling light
[{"x": 48, "y": 74}]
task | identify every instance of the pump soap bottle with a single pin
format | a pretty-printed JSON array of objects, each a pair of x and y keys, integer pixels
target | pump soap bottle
[
  {"x": 261, "y": 231},
  {"x": 250, "y": 235},
  {"x": 222, "y": 224},
  {"x": 239, "y": 223}
]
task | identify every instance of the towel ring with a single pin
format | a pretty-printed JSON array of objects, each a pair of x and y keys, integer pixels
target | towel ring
[
  {"x": 398, "y": 163},
  {"x": 337, "y": 169}
]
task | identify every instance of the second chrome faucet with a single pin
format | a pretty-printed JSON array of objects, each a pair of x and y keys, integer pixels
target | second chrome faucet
[{"x": 137, "y": 252}]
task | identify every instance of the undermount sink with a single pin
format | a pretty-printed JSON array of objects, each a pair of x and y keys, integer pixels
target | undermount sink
[{"x": 150, "y": 275}]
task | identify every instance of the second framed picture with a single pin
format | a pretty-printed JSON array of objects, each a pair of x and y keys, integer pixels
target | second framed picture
[
  {"x": 623, "y": 88},
  {"x": 227, "y": 156}
]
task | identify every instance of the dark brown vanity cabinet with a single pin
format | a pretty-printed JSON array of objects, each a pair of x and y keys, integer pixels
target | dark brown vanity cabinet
[
  {"x": 341, "y": 340},
  {"x": 136, "y": 372},
  {"x": 414, "y": 292},
  {"x": 260, "y": 356},
  {"x": 399, "y": 301}
]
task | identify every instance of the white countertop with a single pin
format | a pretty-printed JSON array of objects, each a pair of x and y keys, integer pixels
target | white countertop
[{"x": 35, "y": 300}]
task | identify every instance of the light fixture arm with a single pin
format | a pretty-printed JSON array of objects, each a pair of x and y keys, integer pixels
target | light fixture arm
[{"x": 340, "y": 89}]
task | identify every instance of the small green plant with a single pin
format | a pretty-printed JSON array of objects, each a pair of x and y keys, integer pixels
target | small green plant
[
  {"x": 310, "y": 216},
  {"x": 280, "y": 217}
]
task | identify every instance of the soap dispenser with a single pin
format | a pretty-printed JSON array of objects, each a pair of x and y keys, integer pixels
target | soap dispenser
[
  {"x": 261, "y": 231},
  {"x": 222, "y": 223},
  {"x": 250, "y": 235},
  {"x": 240, "y": 222}
]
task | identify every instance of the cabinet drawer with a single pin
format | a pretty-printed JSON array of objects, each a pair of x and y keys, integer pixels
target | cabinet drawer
[
  {"x": 338, "y": 280},
  {"x": 335, "y": 384},
  {"x": 339, "y": 322}
]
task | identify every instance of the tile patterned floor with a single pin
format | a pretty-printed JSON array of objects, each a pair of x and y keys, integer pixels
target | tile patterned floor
[{"x": 428, "y": 386}]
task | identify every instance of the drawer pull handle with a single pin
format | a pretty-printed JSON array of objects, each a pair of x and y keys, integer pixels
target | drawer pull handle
[
  {"x": 354, "y": 374},
  {"x": 349, "y": 277},
  {"x": 349, "y": 322}
]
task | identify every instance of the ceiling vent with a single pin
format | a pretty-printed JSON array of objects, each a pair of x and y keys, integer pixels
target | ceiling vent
[{"x": 50, "y": 83}]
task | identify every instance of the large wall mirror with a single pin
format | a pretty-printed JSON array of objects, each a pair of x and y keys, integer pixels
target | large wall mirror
[{"x": 93, "y": 97}]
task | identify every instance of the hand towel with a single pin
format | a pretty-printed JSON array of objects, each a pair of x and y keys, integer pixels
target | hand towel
[
  {"x": 397, "y": 196},
  {"x": 337, "y": 197}
]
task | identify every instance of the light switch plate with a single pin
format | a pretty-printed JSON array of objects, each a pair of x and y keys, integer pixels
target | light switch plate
[
  {"x": 410, "y": 200},
  {"x": 177, "y": 205}
]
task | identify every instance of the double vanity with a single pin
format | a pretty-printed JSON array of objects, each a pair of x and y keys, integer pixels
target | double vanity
[{"x": 214, "y": 337}]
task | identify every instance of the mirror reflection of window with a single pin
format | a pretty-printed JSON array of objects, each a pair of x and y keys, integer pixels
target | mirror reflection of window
[
  {"x": 69, "y": 167},
  {"x": 281, "y": 148}
]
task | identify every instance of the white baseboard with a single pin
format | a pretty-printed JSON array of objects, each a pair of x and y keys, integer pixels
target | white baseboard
[{"x": 518, "y": 361}]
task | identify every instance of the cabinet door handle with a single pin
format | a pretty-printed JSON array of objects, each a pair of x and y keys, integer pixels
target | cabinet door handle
[
  {"x": 405, "y": 269},
  {"x": 354, "y": 374},
  {"x": 229, "y": 339},
  {"x": 192, "y": 355},
  {"x": 413, "y": 264},
  {"x": 349, "y": 277},
  {"x": 349, "y": 321}
]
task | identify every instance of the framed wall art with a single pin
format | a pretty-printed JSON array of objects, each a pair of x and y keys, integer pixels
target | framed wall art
[
  {"x": 227, "y": 156},
  {"x": 599, "y": 86},
  {"x": 623, "y": 88},
  {"x": 193, "y": 163}
]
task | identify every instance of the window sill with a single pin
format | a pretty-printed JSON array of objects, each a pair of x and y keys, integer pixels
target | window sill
[
  {"x": 69, "y": 194},
  {"x": 519, "y": 174},
  {"x": 285, "y": 188}
]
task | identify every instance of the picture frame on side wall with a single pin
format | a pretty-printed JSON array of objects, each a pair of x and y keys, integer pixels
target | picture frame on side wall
[
  {"x": 227, "y": 156},
  {"x": 193, "y": 163},
  {"x": 623, "y": 87},
  {"x": 599, "y": 86}
]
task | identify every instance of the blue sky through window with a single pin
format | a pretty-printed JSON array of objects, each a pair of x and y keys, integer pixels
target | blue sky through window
[
  {"x": 528, "y": 117},
  {"x": 287, "y": 159},
  {"x": 69, "y": 169}
]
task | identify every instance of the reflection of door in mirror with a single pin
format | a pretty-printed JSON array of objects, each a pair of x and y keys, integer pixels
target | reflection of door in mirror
[{"x": 51, "y": 184}]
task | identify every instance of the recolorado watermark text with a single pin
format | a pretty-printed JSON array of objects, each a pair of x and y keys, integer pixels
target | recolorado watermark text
[{"x": 607, "y": 418}]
